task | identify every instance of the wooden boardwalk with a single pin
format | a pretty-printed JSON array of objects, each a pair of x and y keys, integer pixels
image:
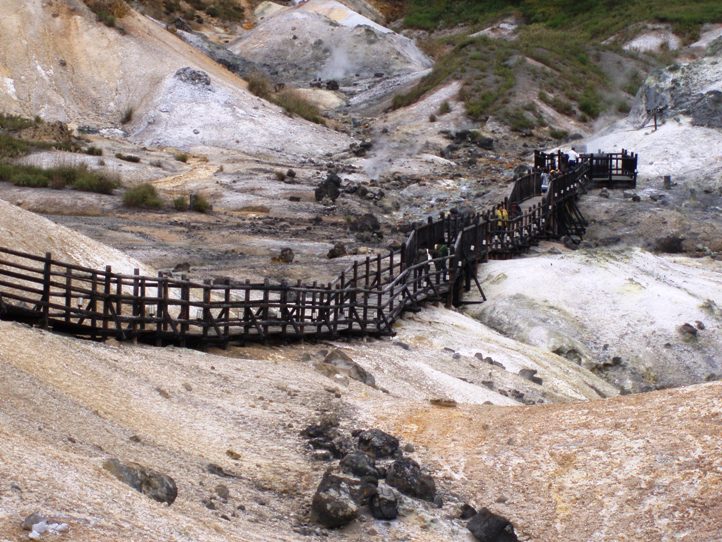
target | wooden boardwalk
[{"x": 366, "y": 299}]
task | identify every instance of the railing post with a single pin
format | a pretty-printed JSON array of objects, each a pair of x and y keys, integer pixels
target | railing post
[
  {"x": 106, "y": 300},
  {"x": 46, "y": 289}
]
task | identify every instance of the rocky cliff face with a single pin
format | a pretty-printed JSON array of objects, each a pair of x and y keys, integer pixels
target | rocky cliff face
[{"x": 693, "y": 89}]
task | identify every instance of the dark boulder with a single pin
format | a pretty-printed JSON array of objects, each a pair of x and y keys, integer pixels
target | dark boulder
[
  {"x": 332, "y": 505},
  {"x": 707, "y": 110},
  {"x": 329, "y": 188},
  {"x": 338, "y": 497},
  {"x": 359, "y": 464},
  {"x": 366, "y": 222},
  {"x": 530, "y": 374},
  {"x": 488, "y": 527},
  {"x": 405, "y": 475},
  {"x": 383, "y": 504},
  {"x": 467, "y": 511},
  {"x": 286, "y": 256},
  {"x": 378, "y": 444},
  {"x": 338, "y": 250},
  {"x": 671, "y": 244},
  {"x": 157, "y": 486},
  {"x": 332, "y": 85}
]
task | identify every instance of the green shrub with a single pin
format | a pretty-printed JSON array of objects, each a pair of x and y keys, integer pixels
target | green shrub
[
  {"x": 181, "y": 157},
  {"x": 143, "y": 196},
  {"x": 199, "y": 203},
  {"x": 33, "y": 179},
  {"x": 180, "y": 203},
  {"x": 444, "y": 108},
  {"x": 591, "y": 104},
  {"x": 94, "y": 151},
  {"x": 14, "y": 123},
  {"x": 558, "y": 134},
  {"x": 11, "y": 147}
]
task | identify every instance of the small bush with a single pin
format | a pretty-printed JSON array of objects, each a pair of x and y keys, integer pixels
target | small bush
[
  {"x": 558, "y": 134},
  {"x": 180, "y": 203},
  {"x": 259, "y": 85},
  {"x": 127, "y": 157},
  {"x": 432, "y": 118},
  {"x": 156, "y": 163},
  {"x": 199, "y": 204},
  {"x": 181, "y": 157},
  {"x": 94, "y": 151},
  {"x": 143, "y": 196},
  {"x": 444, "y": 108},
  {"x": 14, "y": 123}
]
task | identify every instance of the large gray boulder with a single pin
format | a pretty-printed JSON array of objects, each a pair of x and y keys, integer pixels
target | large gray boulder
[{"x": 488, "y": 527}]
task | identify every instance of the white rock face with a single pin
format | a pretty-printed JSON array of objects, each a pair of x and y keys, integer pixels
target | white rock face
[
  {"x": 593, "y": 307},
  {"x": 326, "y": 39}
]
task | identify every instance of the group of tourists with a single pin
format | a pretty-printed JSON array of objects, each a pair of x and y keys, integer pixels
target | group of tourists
[{"x": 506, "y": 213}]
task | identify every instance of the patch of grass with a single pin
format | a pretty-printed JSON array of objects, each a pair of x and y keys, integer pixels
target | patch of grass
[
  {"x": 14, "y": 123},
  {"x": 127, "y": 157},
  {"x": 295, "y": 104},
  {"x": 558, "y": 134},
  {"x": 259, "y": 85},
  {"x": 444, "y": 108},
  {"x": 143, "y": 196},
  {"x": 181, "y": 157},
  {"x": 11, "y": 147},
  {"x": 93, "y": 151},
  {"x": 591, "y": 104},
  {"x": 180, "y": 203},
  {"x": 76, "y": 177}
]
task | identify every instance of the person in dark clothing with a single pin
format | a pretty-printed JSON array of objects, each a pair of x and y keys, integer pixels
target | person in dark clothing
[{"x": 441, "y": 251}]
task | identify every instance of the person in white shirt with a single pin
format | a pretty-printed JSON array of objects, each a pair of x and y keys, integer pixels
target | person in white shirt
[{"x": 573, "y": 156}]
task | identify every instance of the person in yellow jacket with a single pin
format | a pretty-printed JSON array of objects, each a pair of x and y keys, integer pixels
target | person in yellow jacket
[{"x": 502, "y": 216}]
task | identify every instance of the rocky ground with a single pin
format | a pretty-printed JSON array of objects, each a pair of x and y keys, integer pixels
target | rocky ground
[{"x": 514, "y": 407}]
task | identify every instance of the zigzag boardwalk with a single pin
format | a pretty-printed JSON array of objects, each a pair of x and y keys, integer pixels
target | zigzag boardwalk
[{"x": 365, "y": 299}]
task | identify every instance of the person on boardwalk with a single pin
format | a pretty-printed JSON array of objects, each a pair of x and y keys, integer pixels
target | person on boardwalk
[
  {"x": 545, "y": 181},
  {"x": 441, "y": 251},
  {"x": 573, "y": 157}
]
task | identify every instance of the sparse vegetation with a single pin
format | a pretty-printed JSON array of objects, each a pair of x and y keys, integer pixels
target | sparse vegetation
[
  {"x": 76, "y": 177},
  {"x": 558, "y": 134},
  {"x": 181, "y": 157},
  {"x": 180, "y": 203},
  {"x": 444, "y": 108},
  {"x": 108, "y": 11},
  {"x": 199, "y": 204},
  {"x": 295, "y": 104},
  {"x": 143, "y": 196},
  {"x": 93, "y": 151}
]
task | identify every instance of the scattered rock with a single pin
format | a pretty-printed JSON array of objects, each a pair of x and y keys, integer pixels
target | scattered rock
[
  {"x": 222, "y": 491},
  {"x": 330, "y": 188},
  {"x": 604, "y": 193},
  {"x": 286, "y": 256},
  {"x": 163, "y": 393},
  {"x": 157, "y": 486},
  {"x": 183, "y": 267},
  {"x": 488, "y": 527},
  {"x": 467, "y": 511},
  {"x": 333, "y": 505},
  {"x": 338, "y": 362},
  {"x": 338, "y": 250},
  {"x": 359, "y": 464},
  {"x": 688, "y": 330},
  {"x": 384, "y": 504},
  {"x": 700, "y": 325},
  {"x": 187, "y": 386},
  {"x": 409, "y": 448},
  {"x": 217, "y": 470},
  {"x": 193, "y": 77},
  {"x": 671, "y": 244},
  {"x": 365, "y": 223},
  {"x": 378, "y": 444},
  {"x": 233, "y": 455},
  {"x": 530, "y": 374},
  {"x": 405, "y": 475}
]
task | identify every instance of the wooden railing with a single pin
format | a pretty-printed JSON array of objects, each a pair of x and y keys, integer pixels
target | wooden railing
[{"x": 365, "y": 299}]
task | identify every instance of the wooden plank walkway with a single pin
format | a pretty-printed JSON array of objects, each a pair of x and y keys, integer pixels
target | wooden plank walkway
[{"x": 366, "y": 299}]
